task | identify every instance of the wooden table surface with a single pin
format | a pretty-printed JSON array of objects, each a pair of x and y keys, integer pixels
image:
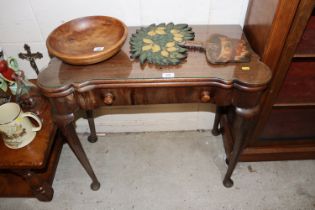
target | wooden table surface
[
  {"x": 59, "y": 76},
  {"x": 35, "y": 154}
]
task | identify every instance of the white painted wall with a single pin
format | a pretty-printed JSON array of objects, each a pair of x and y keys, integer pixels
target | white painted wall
[{"x": 30, "y": 21}]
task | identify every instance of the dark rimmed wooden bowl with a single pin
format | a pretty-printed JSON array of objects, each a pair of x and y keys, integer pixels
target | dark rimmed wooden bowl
[{"x": 87, "y": 40}]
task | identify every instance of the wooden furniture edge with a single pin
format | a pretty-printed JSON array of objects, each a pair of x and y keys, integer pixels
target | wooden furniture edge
[
  {"x": 265, "y": 153},
  {"x": 47, "y": 174},
  {"x": 287, "y": 52}
]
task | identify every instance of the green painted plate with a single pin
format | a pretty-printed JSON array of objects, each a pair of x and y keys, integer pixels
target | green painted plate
[{"x": 160, "y": 44}]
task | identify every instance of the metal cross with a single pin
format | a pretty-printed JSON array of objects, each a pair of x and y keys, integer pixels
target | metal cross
[{"x": 31, "y": 57}]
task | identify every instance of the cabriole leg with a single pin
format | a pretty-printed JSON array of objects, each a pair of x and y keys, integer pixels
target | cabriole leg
[
  {"x": 219, "y": 112},
  {"x": 90, "y": 117}
]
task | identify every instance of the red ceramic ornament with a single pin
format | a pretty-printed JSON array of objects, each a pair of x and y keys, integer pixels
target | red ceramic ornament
[{"x": 6, "y": 71}]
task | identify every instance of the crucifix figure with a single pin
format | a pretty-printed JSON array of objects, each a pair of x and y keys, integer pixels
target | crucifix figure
[{"x": 31, "y": 57}]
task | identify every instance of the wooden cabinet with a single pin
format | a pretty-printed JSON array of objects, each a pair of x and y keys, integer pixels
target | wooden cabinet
[
  {"x": 30, "y": 171},
  {"x": 283, "y": 34}
]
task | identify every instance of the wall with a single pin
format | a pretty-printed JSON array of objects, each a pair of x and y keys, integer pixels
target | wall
[{"x": 30, "y": 21}]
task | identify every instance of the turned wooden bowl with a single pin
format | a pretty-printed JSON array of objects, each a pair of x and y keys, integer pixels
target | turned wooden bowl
[{"x": 87, "y": 40}]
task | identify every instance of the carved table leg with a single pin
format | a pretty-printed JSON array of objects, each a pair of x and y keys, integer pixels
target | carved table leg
[
  {"x": 40, "y": 189},
  {"x": 242, "y": 128},
  {"x": 227, "y": 181},
  {"x": 65, "y": 123},
  {"x": 218, "y": 113},
  {"x": 92, "y": 137}
]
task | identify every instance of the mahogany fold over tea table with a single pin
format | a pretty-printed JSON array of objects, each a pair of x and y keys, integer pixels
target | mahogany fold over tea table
[{"x": 121, "y": 81}]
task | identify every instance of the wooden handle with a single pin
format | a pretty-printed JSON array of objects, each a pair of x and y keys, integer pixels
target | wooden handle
[
  {"x": 108, "y": 99},
  {"x": 193, "y": 45},
  {"x": 205, "y": 96}
]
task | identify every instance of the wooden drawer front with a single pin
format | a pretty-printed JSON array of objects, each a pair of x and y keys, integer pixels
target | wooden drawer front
[
  {"x": 99, "y": 97},
  {"x": 171, "y": 95},
  {"x": 163, "y": 95},
  {"x": 121, "y": 96},
  {"x": 290, "y": 123},
  {"x": 299, "y": 85}
]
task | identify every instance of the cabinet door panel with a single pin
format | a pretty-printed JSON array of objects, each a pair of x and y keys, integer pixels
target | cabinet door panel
[
  {"x": 299, "y": 85},
  {"x": 290, "y": 123},
  {"x": 306, "y": 47}
]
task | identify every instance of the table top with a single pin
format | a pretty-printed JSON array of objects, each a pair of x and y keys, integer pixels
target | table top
[
  {"x": 121, "y": 69},
  {"x": 35, "y": 154}
]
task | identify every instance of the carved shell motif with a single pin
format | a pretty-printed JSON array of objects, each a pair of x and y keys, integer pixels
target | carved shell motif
[{"x": 160, "y": 44}]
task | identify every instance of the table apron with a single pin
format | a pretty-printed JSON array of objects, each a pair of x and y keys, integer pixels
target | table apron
[{"x": 95, "y": 98}]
